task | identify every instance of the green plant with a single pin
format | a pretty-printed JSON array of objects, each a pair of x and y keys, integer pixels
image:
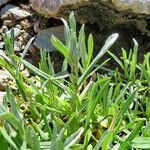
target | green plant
[
  {"x": 128, "y": 63},
  {"x": 77, "y": 110}
]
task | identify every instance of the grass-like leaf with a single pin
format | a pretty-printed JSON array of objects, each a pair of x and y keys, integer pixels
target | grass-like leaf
[
  {"x": 126, "y": 143},
  {"x": 109, "y": 42},
  {"x": 8, "y": 138},
  {"x": 73, "y": 138}
]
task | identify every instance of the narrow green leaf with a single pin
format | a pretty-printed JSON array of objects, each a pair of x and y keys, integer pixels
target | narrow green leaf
[
  {"x": 3, "y": 142},
  {"x": 72, "y": 22},
  {"x": 144, "y": 140},
  {"x": 87, "y": 138},
  {"x": 90, "y": 50},
  {"x": 122, "y": 92},
  {"x": 106, "y": 46},
  {"x": 145, "y": 73},
  {"x": 133, "y": 60},
  {"x": 42, "y": 134},
  {"x": 82, "y": 46},
  {"x": 132, "y": 135},
  {"x": 60, "y": 46},
  {"x": 14, "y": 108},
  {"x": 10, "y": 118},
  {"x": 66, "y": 32},
  {"x": 100, "y": 142},
  {"x": 126, "y": 106},
  {"x": 56, "y": 142},
  {"x": 46, "y": 123},
  {"x": 107, "y": 140},
  {"x": 71, "y": 140},
  {"x": 36, "y": 70},
  {"x": 94, "y": 98},
  {"x": 126, "y": 65},
  {"x": 141, "y": 146},
  {"x": 27, "y": 47},
  {"x": 116, "y": 59},
  {"x": 8, "y": 138},
  {"x": 32, "y": 139}
]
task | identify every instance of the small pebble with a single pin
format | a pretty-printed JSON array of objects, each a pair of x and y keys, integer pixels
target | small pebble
[
  {"x": 23, "y": 31},
  {"x": 9, "y": 23},
  {"x": 20, "y": 38},
  {"x": 36, "y": 26},
  {"x": 17, "y": 46},
  {"x": 20, "y": 43},
  {"x": 25, "y": 35},
  {"x": 1, "y": 37},
  {"x": 18, "y": 26},
  {"x": 26, "y": 72},
  {"x": 2, "y": 45},
  {"x": 25, "y": 23},
  {"x": 23, "y": 46},
  {"x": 17, "y": 32},
  {"x": 4, "y": 29}
]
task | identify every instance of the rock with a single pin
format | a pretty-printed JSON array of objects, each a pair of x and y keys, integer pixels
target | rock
[
  {"x": 25, "y": 36},
  {"x": 136, "y": 6},
  {"x": 2, "y": 94},
  {"x": 23, "y": 31},
  {"x": 18, "y": 13},
  {"x": 16, "y": 32},
  {"x": 26, "y": 72},
  {"x": 36, "y": 26},
  {"x": 5, "y": 77},
  {"x": 9, "y": 23},
  {"x": 42, "y": 40},
  {"x": 4, "y": 29},
  {"x": 18, "y": 26},
  {"x": 5, "y": 11},
  {"x": 25, "y": 23},
  {"x": 17, "y": 46},
  {"x": 105, "y": 13},
  {"x": 1, "y": 37},
  {"x": 13, "y": 12},
  {"x": 53, "y": 7},
  {"x": 2, "y": 45},
  {"x": 3, "y": 2},
  {"x": 20, "y": 38}
]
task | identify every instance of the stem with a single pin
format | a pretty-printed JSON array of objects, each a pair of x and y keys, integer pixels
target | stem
[{"x": 46, "y": 123}]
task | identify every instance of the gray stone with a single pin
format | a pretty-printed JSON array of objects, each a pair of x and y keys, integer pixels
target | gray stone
[
  {"x": 2, "y": 94},
  {"x": 5, "y": 11},
  {"x": 16, "y": 32},
  {"x": 18, "y": 26},
  {"x": 136, "y": 6},
  {"x": 4, "y": 29},
  {"x": 18, "y": 13},
  {"x": 9, "y": 23},
  {"x": 106, "y": 13},
  {"x": 2, "y": 45},
  {"x": 3, "y": 2},
  {"x": 17, "y": 46},
  {"x": 13, "y": 12},
  {"x": 5, "y": 77},
  {"x": 54, "y": 7},
  {"x": 43, "y": 38}
]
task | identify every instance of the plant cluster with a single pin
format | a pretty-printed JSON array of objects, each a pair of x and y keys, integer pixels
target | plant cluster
[{"x": 78, "y": 109}]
